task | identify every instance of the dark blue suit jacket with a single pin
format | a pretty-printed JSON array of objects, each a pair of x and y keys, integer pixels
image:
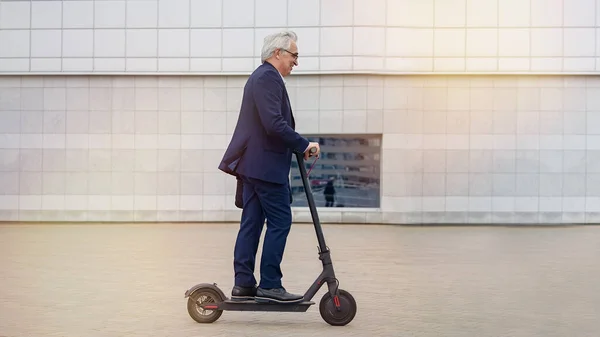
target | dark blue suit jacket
[{"x": 264, "y": 138}]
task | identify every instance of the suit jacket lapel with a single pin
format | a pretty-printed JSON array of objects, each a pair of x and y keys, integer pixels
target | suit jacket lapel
[
  {"x": 287, "y": 97},
  {"x": 285, "y": 93}
]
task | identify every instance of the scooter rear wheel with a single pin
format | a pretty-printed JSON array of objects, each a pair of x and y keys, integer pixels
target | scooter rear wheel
[
  {"x": 330, "y": 313},
  {"x": 203, "y": 296}
]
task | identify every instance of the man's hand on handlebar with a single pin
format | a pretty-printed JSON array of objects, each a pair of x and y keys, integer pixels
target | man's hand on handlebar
[{"x": 313, "y": 150}]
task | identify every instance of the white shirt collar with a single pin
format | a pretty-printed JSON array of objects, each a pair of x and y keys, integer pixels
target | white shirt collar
[{"x": 283, "y": 79}]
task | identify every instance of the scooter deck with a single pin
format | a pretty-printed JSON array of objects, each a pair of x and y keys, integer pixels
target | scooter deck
[{"x": 252, "y": 305}]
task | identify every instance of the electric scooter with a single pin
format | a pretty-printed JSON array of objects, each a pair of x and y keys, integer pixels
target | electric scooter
[{"x": 206, "y": 302}]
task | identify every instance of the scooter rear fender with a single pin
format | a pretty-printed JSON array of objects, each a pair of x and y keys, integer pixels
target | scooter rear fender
[{"x": 212, "y": 286}]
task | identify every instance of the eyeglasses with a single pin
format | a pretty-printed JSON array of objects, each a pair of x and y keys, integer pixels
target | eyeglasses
[{"x": 295, "y": 55}]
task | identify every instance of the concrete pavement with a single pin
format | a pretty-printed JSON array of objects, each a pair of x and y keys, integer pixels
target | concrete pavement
[{"x": 129, "y": 280}]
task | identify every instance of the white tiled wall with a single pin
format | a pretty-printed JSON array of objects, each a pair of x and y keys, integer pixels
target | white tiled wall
[
  {"x": 466, "y": 149},
  {"x": 225, "y": 36},
  {"x": 108, "y": 145}
]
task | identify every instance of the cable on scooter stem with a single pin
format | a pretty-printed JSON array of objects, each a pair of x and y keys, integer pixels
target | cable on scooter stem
[
  {"x": 311, "y": 167},
  {"x": 312, "y": 150}
]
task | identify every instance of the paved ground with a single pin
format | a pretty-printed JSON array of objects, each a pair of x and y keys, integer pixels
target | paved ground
[{"x": 116, "y": 280}]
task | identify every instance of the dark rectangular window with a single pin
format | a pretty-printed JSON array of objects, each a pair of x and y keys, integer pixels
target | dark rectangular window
[{"x": 346, "y": 175}]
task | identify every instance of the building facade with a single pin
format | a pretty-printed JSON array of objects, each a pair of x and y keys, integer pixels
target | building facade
[{"x": 428, "y": 111}]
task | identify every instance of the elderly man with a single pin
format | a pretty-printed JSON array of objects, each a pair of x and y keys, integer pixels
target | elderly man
[{"x": 259, "y": 155}]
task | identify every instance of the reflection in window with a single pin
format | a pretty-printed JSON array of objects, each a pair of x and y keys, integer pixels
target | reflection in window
[{"x": 346, "y": 175}]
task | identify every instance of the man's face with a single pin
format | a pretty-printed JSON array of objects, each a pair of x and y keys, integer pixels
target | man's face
[{"x": 289, "y": 59}]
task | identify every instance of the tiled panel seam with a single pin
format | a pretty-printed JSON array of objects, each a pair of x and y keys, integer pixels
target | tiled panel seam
[
  {"x": 20, "y": 145},
  {"x": 328, "y": 56},
  {"x": 320, "y": 42},
  {"x": 498, "y": 35},
  {"x": 434, "y": 36},
  {"x": 125, "y": 48},
  {"x": 253, "y": 36},
  {"x": 94, "y": 38},
  {"x": 299, "y": 26},
  {"x": 530, "y": 32},
  {"x": 30, "y": 30},
  {"x": 353, "y": 31},
  {"x": 585, "y": 167},
  {"x": 190, "y": 38},
  {"x": 466, "y": 36},
  {"x": 385, "y": 33},
  {"x": 157, "y": 35},
  {"x": 562, "y": 61},
  {"x": 158, "y": 110},
  {"x": 222, "y": 34},
  {"x": 62, "y": 36}
]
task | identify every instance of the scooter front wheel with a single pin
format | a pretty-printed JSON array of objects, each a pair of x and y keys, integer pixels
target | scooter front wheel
[
  {"x": 200, "y": 297},
  {"x": 340, "y": 311}
]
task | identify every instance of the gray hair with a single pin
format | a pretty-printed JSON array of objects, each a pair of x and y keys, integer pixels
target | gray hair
[{"x": 281, "y": 40}]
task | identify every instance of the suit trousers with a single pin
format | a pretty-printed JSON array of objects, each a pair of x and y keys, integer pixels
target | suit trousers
[{"x": 262, "y": 200}]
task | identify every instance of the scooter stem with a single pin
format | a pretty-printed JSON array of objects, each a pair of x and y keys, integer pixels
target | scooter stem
[{"x": 311, "y": 203}]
